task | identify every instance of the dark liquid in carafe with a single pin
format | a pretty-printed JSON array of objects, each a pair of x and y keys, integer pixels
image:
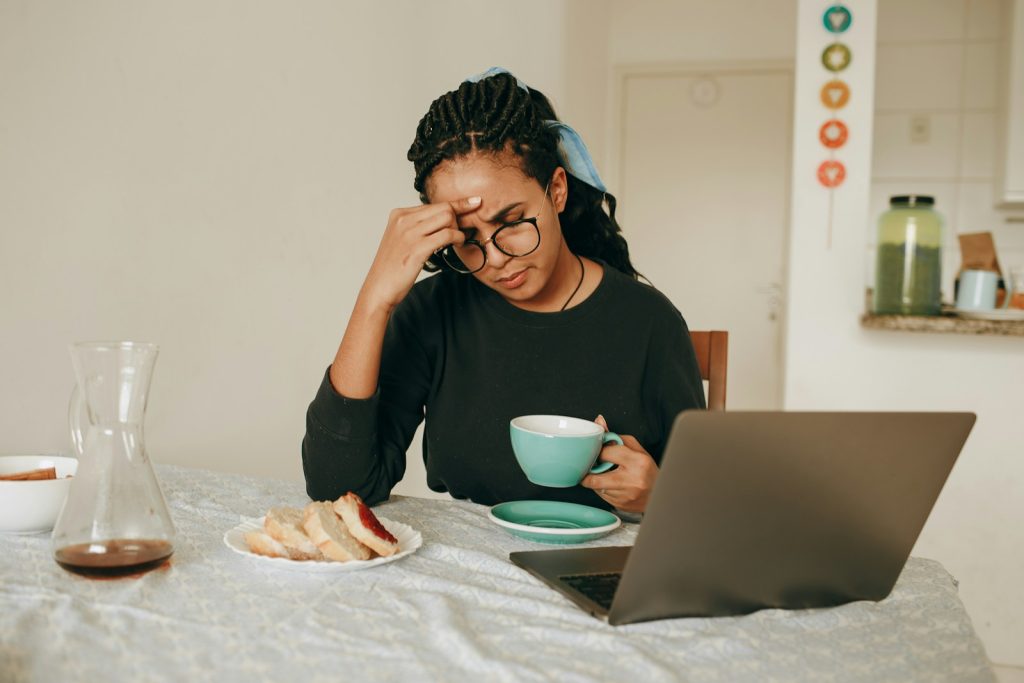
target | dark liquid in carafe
[{"x": 114, "y": 558}]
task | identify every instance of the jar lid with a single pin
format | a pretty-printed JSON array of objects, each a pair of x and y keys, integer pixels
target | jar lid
[{"x": 912, "y": 200}]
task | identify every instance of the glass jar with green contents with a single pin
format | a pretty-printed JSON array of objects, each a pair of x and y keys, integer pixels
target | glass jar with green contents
[{"x": 908, "y": 269}]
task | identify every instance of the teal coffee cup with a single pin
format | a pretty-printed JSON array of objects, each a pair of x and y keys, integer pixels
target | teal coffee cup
[{"x": 559, "y": 451}]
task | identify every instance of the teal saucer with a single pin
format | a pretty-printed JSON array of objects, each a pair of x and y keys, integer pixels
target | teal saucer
[{"x": 550, "y": 521}]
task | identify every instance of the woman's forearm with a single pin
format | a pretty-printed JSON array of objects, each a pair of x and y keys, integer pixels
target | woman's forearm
[{"x": 356, "y": 367}]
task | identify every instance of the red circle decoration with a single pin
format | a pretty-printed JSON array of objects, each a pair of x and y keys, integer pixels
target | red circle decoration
[
  {"x": 831, "y": 173},
  {"x": 833, "y": 133}
]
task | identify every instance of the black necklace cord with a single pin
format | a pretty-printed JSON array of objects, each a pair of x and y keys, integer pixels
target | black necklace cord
[{"x": 578, "y": 284}]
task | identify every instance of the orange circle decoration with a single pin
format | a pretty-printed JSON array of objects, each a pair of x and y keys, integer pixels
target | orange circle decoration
[
  {"x": 835, "y": 94},
  {"x": 833, "y": 133},
  {"x": 831, "y": 173}
]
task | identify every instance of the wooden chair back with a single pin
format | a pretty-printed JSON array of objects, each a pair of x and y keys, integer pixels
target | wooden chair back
[{"x": 712, "y": 350}]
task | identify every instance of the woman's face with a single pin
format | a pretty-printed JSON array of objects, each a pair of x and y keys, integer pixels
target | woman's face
[{"x": 508, "y": 195}]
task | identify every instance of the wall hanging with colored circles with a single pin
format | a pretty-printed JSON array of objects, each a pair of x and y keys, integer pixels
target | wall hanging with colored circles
[{"x": 834, "y": 95}]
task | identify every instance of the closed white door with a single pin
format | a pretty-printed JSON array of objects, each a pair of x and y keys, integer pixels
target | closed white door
[{"x": 703, "y": 163}]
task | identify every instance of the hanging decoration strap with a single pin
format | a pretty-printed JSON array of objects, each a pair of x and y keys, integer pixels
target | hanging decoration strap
[{"x": 833, "y": 133}]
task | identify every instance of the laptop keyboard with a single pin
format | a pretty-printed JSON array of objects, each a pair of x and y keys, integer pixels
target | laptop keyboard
[{"x": 598, "y": 587}]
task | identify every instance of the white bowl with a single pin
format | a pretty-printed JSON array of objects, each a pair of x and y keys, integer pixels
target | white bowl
[{"x": 31, "y": 507}]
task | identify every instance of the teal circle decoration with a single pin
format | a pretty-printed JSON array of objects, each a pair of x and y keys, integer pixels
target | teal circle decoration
[{"x": 837, "y": 19}]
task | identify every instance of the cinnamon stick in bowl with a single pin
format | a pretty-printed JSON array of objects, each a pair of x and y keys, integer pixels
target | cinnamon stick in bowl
[{"x": 31, "y": 475}]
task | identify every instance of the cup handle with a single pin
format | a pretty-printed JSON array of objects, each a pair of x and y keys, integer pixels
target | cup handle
[
  {"x": 603, "y": 466},
  {"x": 1008, "y": 292},
  {"x": 75, "y": 410}
]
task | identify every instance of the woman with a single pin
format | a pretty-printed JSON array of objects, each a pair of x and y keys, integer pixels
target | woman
[{"x": 537, "y": 310}]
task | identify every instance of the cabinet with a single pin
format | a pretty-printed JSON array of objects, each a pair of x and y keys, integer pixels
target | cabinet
[{"x": 1013, "y": 168}]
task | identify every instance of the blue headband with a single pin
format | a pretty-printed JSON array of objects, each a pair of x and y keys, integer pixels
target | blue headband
[{"x": 571, "y": 151}]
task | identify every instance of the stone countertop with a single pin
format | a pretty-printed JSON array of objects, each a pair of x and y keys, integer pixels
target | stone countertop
[{"x": 945, "y": 324}]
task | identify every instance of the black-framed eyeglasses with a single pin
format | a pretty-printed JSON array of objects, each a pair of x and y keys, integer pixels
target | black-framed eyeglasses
[{"x": 516, "y": 238}]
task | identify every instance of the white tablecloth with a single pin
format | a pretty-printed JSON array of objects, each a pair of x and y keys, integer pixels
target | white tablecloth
[{"x": 456, "y": 610}]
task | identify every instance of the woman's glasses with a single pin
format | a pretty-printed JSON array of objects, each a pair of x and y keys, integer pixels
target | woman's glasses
[{"x": 517, "y": 238}]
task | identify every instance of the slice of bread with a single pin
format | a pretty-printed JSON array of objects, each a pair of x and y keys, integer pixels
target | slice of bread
[
  {"x": 364, "y": 525},
  {"x": 284, "y": 525},
  {"x": 261, "y": 543},
  {"x": 331, "y": 536}
]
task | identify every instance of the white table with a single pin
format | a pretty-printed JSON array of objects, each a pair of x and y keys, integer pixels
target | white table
[{"x": 456, "y": 610}]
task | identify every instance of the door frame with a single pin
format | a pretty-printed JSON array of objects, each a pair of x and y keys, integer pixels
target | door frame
[{"x": 620, "y": 76}]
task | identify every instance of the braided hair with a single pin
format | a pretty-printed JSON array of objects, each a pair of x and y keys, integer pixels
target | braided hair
[{"x": 495, "y": 116}]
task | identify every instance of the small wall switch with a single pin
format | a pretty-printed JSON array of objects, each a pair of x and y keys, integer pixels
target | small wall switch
[{"x": 920, "y": 129}]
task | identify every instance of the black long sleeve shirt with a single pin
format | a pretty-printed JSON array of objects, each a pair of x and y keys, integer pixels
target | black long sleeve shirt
[{"x": 469, "y": 361}]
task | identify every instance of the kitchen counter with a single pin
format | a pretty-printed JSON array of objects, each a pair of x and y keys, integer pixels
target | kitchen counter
[{"x": 945, "y": 324}]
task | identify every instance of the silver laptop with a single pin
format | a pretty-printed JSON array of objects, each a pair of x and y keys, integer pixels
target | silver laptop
[{"x": 768, "y": 509}]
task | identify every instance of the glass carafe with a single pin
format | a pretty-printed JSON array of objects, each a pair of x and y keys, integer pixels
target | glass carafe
[{"x": 115, "y": 520}]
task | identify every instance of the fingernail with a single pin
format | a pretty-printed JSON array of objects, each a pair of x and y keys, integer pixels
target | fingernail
[{"x": 473, "y": 201}]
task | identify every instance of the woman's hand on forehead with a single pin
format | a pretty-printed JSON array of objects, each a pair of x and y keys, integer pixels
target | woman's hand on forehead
[{"x": 412, "y": 235}]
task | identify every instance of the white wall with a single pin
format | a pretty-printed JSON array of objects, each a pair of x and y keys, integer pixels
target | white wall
[
  {"x": 214, "y": 177},
  {"x": 693, "y": 32},
  {"x": 832, "y": 363},
  {"x": 736, "y": 30}
]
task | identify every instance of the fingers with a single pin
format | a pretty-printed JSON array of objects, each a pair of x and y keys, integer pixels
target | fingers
[
  {"x": 439, "y": 217},
  {"x": 627, "y": 487},
  {"x": 411, "y": 236},
  {"x": 442, "y": 238},
  {"x": 450, "y": 209},
  {"x": 630, "y": 442},
  {"x": 440, "y": 223},
  {"x": 420, "y": 233},
  {"x": 628, "y": 492},
  {"x": 616, "y": 479},
  {"x": 620, "y": 455},
  {"x": 621, "y": 495},
  {"x": 465, "y": 205},
  {"x": 630, "y": 450},
  {"x": 631, "y": 469},
  {"x": 457, "y": 206},
  {"x": 432, "y": 216}
]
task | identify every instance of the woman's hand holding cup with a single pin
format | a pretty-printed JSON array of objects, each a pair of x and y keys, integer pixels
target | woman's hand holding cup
[
  {"x": 557, "y": 450},
  {"x": 560, "y": 451},
  {"x": 628, "y": 487}
]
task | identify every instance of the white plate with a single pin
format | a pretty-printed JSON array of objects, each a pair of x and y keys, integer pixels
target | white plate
[
  {"x": 409, "y": 540},
  {"x": 991, "y": 314}
]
